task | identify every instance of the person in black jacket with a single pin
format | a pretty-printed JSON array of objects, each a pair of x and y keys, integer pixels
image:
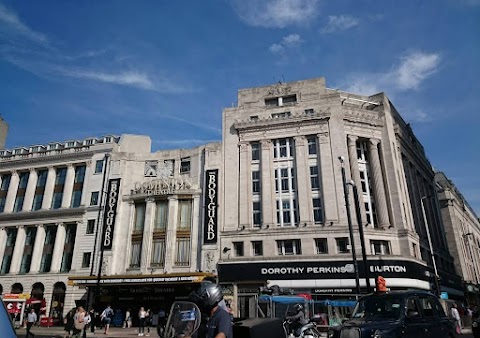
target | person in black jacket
[{"x": 297, "y": 320}]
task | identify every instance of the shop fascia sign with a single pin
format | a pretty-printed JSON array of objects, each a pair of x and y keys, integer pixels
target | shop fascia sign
[
  {"x": 171, "y": 279},
  {"x": 162, "y": 186}
]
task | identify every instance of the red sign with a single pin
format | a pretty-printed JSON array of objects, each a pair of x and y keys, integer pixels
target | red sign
[{"x": 13, "y": 307}]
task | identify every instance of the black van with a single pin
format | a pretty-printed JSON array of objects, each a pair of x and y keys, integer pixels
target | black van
[{"x": 406, "y": 314}]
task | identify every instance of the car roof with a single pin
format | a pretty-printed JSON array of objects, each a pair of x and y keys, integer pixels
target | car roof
[{"x": 405, "y": 293}]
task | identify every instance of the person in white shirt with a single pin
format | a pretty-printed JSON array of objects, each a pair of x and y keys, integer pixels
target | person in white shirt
[
  {"x": 456, "y": 317},
  {"x": 142, "y": 315},
  {"x": 31, "y": 320}
]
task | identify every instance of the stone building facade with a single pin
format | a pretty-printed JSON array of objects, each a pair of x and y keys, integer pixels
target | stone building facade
[
  {"x": 285, "y": 221},
  {"x": 58, "y": 240},
  {"x": 462, "y": 227}
]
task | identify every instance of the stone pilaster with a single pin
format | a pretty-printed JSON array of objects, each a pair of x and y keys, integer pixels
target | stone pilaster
[
  {"x": 146, "y": 254},
  {"x": 68, "y": 187},
  {"x": 329, "y": 194},
  {"x": 267, "y": 180},
  {"x": 244, "y": 192},
  {"x": 355, "y": 172},
  {"x": 58, "y": 248},
  {"x": 18, "y": 251},
  {"x": 302, "y": 172},
  {"x": 37, "y": 249},
  {"x": 379, "y": 188},
  {"x": 171, "y": 236},
  {"x": 3, "y": 240},
  {"x": 30, "y": 191},
  {"x": 49, "y": 186},
  {"x": 12, "y": 192},
  {"x": 86, "y": 181}
]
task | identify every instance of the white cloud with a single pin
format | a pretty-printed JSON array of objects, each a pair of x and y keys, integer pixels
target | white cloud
[
  {"x": 339, "y": 23},
  {"x": 133, "y": 79},
  {"x": 13, "y": 23},
  {"x": 289, "y": 41},
  {"x": 415, "y": 68},
  {"x": 276, "y": 13}
]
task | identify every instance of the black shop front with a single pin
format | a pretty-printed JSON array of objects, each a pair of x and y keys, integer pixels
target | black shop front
[{"x": 130, "y": 292}]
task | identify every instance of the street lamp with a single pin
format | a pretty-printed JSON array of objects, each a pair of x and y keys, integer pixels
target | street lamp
[
  {"x": 350, "y": 228},
  {"x": 430, "y": 245}
]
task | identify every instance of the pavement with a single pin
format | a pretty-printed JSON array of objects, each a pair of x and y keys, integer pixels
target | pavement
[
  {"x": 57, "y": 332},
  {"x": 116, "y": 332}
]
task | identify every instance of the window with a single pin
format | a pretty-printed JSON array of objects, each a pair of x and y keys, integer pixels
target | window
[
  {"x": 254, "y": 118},
  {"x": 314, "y": 181},
  {"x": 255, "y": 182},
  {"x": 94, "y": 198},
  {"x": 184, "y": 215},
  {"x": 80, "y": 174},
  {"x": 238, "y": 249},
  {"x": 158, "y": 252},
  {"x": 312, "y": 145},
  {"x": 185, "y": 165},
  {"x": 257, "y": 248},
  {"x": 281, "y": 115},
  {"x": 25, "y": 263},
  {"x": 18, "y": 203},
  {"x": 4, "y": 189},
  {"x": 257, "y": 213},
  {"x": 255, "y": 151},
  {"x": 161, "y": 216},
  {"x": 40, "y": 189},
  {"x": 60, "y": 176},
  {"x": 309, "y": 112},
  {"x": 87, "y": 256},
  {"x": 342, "y": 245},
  {"x": 286, "y": 180},
  {"x": 287, "y": 212},
  {"x": 321, "y": 246},
  {"x": 317, "y": 210},
  {"x": 139, "y": 217},
  {"x": 290, "y": 99},
  {"x": 98, "y": 166},
  {"x": 78, "y": 186},
  {"x": 289, "y": 247},
  {"x": 430, "y": 306},
  {"x": 271, "y": 102},
  {"x": 30, "y": 236},
  {"x": 283, "y": 148},
  {"x": 46, "y": 262},
  {"x": 135, "y": 255},
  {"x": 90, "y": 227},
  {"x": 380, "y": 247},
  {"x": 182, "y": 251}
]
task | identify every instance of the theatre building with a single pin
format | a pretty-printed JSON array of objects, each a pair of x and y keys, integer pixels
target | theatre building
[
  {"x": 285, "y": 219},
  {"x": 54, "y": 229}
]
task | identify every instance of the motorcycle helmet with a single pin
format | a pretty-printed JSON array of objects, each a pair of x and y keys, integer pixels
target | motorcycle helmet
[
  {"x": 298, "y": 307},
  {"x": 207, "y": 296}
]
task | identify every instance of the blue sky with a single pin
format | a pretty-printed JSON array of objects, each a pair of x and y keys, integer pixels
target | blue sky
[{"x": 75, "y": 69}]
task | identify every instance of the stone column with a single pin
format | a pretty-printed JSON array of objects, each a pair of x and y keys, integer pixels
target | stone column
[
  {"x": 267, "y": 177},
  {"x": 68, "y": 187},
  {"x": 380, "y": 197},
  {"x": 37, "y": 249},
  {"x": 12, "y": 192},
  {"x": 3, "y": 240},
  {"x": 49, "y": 186},
  {"x": 355, "y": 172},
  {"x": 196, "y": 260},
  {"x": 243, "y": 191},
  {"x": 171, "y": 236},
  {"x": 58, "y": 248},
  {"x": 146, "y": 254},
  {"x": 18, "y": 250},
  {"x": 86, "y": 181},
  {"x": 30, "y": 191},
  {"x": 302, "y": 172},
  {"x": 329, "y": 193}
]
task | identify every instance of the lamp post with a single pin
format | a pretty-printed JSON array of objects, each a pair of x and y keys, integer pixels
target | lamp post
[
  {"x": 430, "y": 246},
  {"x": 350, "y": 228}
]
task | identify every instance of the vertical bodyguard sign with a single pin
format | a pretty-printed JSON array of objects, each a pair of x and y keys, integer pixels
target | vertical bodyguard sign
[
  {"x": 210, "y": 228},
  {"x": 110, "y": 213}
]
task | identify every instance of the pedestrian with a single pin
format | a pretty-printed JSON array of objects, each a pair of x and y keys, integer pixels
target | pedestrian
[
  {"x": 87, "y": 320},
  {"x": 31, "y": 320},
  {"x": 456, "y": 317},
  {"x": 78, "y": 322},
  {"x": 106, "y": 318},
  {"x": 148, "y": 321},
  {"x": 128, "y": 319},
  {"x": 142, "y": 315},
  {"x": 68, "y": 323}
]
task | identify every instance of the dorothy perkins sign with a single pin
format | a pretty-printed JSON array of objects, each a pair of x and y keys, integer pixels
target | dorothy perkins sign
[
  {"x": 211, "y": 200},
  {"x": 110, "y": 213}
]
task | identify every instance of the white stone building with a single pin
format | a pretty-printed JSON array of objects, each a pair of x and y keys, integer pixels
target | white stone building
[
  {"x": 285, "y": 220},
  {"x": 52, "y": 200}
]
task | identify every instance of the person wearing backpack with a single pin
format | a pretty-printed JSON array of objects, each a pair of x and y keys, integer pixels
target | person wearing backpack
[
  {"x": 79, "y": 322},
  {"x": 106, "y": 318}
]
